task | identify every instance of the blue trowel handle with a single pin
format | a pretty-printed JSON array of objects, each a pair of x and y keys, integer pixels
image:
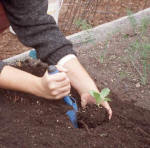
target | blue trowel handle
[
  {"x": 52, "y": 69},
  {"x": 70, "y": 101}
]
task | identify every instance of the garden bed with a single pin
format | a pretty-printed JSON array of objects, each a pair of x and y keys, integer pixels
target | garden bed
[
  {"x": 95, "y": 12},
  {"x": 118, "y": 63},
  {"x": 30, "y": 121}
]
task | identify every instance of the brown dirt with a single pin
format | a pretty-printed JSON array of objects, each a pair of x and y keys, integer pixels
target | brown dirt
[
  {"x": 116, "y": 71},
  {"x": 96, "y": 12},
  {"x": 107, "y": 10},
  {"x": 28, "y": 121},
  {"x": 10, "y": 45}
]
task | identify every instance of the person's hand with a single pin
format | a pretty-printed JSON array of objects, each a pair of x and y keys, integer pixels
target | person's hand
[
  {"x": 55, "y": 86},
  {"x": 86, "y": 98},
  {"x": 83, "y": 83}
]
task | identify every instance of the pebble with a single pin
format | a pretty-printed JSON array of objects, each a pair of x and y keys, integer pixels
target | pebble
[
  {"x": 137, "y": 85},
  {"x": 134, "y": 80},
  {"x": 112, "y": 80},
  {"x": 37, "y": 102}
]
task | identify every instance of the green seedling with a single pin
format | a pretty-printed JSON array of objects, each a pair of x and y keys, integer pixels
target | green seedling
[{"x": 102, "y": 96}]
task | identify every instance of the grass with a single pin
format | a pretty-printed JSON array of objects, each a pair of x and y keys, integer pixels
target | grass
[
  {"x": 139, "y": 50},
  {"x": 83, "y": 24}
]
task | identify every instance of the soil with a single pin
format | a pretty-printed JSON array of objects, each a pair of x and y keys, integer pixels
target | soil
[
  {"x": 10, "y": 45},
  {"x": 105, "y": 11},
  {"x": 96, "y": 12},
  {"x": 28, "y": 121}
]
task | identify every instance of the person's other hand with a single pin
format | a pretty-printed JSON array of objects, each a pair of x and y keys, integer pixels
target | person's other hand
[
  {"x": 86, "y": 98},
  {"x": 55, "y": 86}
]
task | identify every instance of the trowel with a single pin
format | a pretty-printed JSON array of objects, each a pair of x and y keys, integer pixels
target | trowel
[{"x": 72, "y": 114}]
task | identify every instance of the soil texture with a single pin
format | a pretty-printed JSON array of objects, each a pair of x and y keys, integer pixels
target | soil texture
[
  {"x": 96, "y": 12},
  {"x": 28, "y": 121}
]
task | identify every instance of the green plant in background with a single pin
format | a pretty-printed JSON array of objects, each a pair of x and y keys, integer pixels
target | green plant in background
[
  {"x": 123, "y": 75},
  {"x": 82, "y": 24},
  {"x": 103, "y": 53},
  {"x": 100, "y": 97},
  {"x": 139, "y": 50},
  {"x": 132, "y": 19},
  {"x": 144, "y": 25}
]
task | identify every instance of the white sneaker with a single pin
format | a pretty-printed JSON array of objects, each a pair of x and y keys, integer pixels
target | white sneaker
[{"x": 11, "y": 30}]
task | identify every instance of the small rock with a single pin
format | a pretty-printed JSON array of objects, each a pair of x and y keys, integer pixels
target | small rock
[
  {"x": 104, "y": 135},
  {"x": 134, "y": 80},
  {"x": 18, "y": 64},
  {"x": 112, "y": 80},
  {"x": 37, "y": 102},
  {"x": 137, "y": 85}
]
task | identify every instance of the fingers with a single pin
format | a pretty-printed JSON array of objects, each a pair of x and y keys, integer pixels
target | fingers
[
  {"x": 61, "y": 68},
  {"x": 83, "y": 103},
  {"x": 109, "y": 113},
  {"x": 108, "y": 108},
  {"x": 88, "y": 99},
  {"x": 61, "y": 76},
  {"x": 61, "y": 95},
  {"x": 58, "y": 93},
  {"x": 56, "y": 85}
]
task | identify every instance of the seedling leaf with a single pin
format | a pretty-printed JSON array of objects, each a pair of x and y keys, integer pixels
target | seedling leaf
[
  {"x": 105, "y": 92},
  {"x": 107, "y": 99},
  {"x": 96, "y": 96},
  {"x": 99, "y": 97}
]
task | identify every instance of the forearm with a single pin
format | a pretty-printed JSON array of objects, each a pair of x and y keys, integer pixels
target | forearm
[
  {"x": 36, "y": 29},
  {"x": 79, "y": 78},
  {"x": 15, "y": 79}
]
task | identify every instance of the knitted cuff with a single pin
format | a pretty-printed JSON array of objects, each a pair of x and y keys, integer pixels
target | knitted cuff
[
  {"x": 2, "y": 64},
  {"x": 59, "y": 54}
]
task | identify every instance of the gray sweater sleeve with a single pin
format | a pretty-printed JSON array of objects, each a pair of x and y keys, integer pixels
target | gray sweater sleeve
[
  {"x": 36, "y": 29},
  {"x": 2, "y": 64}
]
